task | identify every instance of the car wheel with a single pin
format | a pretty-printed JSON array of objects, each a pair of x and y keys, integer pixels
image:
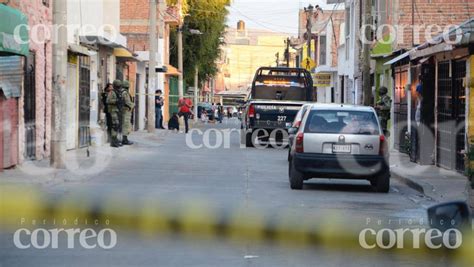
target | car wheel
[
  {"x": 248, "y": 140},
  {"x": 296, "y": 177},
  {"x": 381, "y": 184}
]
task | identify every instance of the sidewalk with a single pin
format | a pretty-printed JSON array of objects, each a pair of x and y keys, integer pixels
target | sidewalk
[
  {"x": 83, "y": 164},
  {"x": 436, "y": 183}
]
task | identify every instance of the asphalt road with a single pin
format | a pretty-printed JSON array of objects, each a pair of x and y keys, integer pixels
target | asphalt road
[{"x": 169, "y": 171}]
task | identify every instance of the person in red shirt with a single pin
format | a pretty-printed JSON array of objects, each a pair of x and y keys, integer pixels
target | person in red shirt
[{"x": 185, "y": 105}]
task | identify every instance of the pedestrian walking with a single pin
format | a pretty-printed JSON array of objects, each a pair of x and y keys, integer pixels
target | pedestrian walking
[
  {"x": 159, "y": 102},
  {"x": 383, "y": 107},
  {"x": 113, "y": 103},
  {"x": 108, "y": 118},
  {"x": 185, "y": 105}
]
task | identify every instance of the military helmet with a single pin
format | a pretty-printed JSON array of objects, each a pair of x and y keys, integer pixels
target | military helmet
[
  {"x": 126, "y": 84},
  {"x": 383, "y": 90},
  {"x": 117, "y": 83}
]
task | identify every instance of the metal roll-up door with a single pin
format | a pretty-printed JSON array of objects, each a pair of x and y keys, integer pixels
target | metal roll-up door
[
  {"x": 11, "y": 76},
  {"x": 11, "y": 80}
]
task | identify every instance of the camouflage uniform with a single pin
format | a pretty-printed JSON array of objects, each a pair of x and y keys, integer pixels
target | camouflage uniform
[
  {"x": 112, "y": 102},
  {"x": 383, "y": 107},
  {"x": 128, "y": 107}
]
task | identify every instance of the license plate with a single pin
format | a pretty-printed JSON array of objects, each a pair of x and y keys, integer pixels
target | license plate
[{"x": 341, "y": 148}]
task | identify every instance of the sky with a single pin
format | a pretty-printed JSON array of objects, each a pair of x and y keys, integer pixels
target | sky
[{"x": 275, "y": 15}]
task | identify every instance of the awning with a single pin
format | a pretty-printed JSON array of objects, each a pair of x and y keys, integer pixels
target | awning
[
  {"x": 442, "y": 47},
  {"x": 10, "y": 19},
  {"x": 124, "y": 54},
  {"x": 400, "y": 57},
  {"x": 172, "y": 71},
  {"x": 79, "y": 49},
  {"x": 118, "y": 41}
]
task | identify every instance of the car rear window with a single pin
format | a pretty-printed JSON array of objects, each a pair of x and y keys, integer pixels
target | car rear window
[{"x": 342, "y": 122}]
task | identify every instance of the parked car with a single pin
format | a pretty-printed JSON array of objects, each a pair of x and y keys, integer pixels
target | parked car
[
  {"x": 296, "y": 124},
  {"x": 204, "y": 106},
  {"x": 342, "y": 142}
]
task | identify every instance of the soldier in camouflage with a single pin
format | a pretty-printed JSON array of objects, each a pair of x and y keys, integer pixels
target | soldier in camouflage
[
  {"x": 113, "y": 107},
  {"x": 383, "y": 107},
  {"x": 128, "y": 107}
]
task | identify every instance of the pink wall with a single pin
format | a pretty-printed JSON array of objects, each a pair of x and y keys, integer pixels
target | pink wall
[{"x": 39, "y": 14}]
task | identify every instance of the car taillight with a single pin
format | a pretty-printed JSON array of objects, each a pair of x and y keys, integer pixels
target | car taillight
[
  {"x": 383, "y": 146},
  {"x": 299, "y": 148},
  {"x": 251, "y": 111}
]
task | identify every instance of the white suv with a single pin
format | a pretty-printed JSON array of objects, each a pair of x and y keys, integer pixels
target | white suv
[{"x": 340, "y": 141}]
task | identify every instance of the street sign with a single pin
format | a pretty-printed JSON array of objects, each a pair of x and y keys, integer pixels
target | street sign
[
  {"x": 322, "y": 79},
  {"x": 308, "y": 63}
]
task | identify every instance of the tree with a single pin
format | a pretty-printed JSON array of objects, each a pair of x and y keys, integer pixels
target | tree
[{"x": 207, "y": 16}]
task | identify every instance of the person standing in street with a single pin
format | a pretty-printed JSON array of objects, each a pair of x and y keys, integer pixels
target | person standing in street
[
  {"x": 383, "y": 107},
  {"x": 108, "y": 118},
  {"x": 128, "y": 107},
  {"x": 113, "y": 104},
  {"x": 185, "y": 105},
  {"x": 159, "y": 102},
  {"x": 213, "y": 112},
  {"x": 220, "y": 112}
]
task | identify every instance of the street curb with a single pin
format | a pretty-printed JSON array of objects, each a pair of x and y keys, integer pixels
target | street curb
[{"x": 409, "y": 182}]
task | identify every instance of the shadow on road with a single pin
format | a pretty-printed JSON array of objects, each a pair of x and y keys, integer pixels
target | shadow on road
[{"x": 346, "y": 186}]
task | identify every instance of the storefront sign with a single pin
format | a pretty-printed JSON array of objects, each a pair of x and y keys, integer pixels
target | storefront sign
[{"x": 322, "y": 79}]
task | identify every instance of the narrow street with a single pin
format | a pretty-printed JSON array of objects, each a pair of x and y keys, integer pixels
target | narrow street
[{"x": 169, "y": 171}]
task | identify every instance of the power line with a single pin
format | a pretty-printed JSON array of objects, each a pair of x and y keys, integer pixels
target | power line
[{"x": 257, "y": 22}]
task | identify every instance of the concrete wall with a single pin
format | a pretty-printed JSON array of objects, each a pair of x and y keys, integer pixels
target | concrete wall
[
  {"x": 38, "y": 14},
  {"x": 84, "y": 12}
]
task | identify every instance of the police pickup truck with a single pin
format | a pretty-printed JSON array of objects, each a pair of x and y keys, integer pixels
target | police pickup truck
[{"x": 276, "y": 96}]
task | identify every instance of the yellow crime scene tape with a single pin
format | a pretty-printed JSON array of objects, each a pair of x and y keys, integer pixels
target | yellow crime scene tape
[{"x": 202, "y": 220}]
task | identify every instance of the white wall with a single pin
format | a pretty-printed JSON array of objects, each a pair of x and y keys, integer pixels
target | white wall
[
  {"x": 141, "y": 69},
  {"x": 94, "y": 18},
  {"x": 85, "y": 17}
]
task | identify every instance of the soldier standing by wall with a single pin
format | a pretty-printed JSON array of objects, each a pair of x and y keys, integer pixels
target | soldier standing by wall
[
  {"x": 108, "y": 119},
  {"x": 113, "y": 107},
  {"x": 383, "y": 107},
  {"x": 127, "y": 109}
]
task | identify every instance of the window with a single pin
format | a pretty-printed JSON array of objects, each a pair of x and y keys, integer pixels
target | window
[
  {"x": 342, "y": 122},
  {"x": 322, "y": 49}
]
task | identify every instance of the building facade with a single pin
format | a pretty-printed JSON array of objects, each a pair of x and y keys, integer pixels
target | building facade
[
  {"x": 245, "y": 51},
  {"x": 25, "y": 82},
  {"x": 134, "y": 24}
]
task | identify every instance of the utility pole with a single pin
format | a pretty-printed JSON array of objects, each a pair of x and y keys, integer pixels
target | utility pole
[
  {"x": 151, "y": 67},
  {"x": 213, "y": 86},
  {"x": 161, "y": 46},
  {"x": 287, "y": 53},
  {"x": 413, "y": 23},
  {"x": 366, "y": 87},
  {"x": 196, "y": 93},
  {"x": 58, "y": 142},
  {"x": 180, "y": 63},
  {"x": 309, "y": 26}
]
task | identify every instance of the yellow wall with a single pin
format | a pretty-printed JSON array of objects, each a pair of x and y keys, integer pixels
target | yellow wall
[{"x": 244, "y": 60}]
